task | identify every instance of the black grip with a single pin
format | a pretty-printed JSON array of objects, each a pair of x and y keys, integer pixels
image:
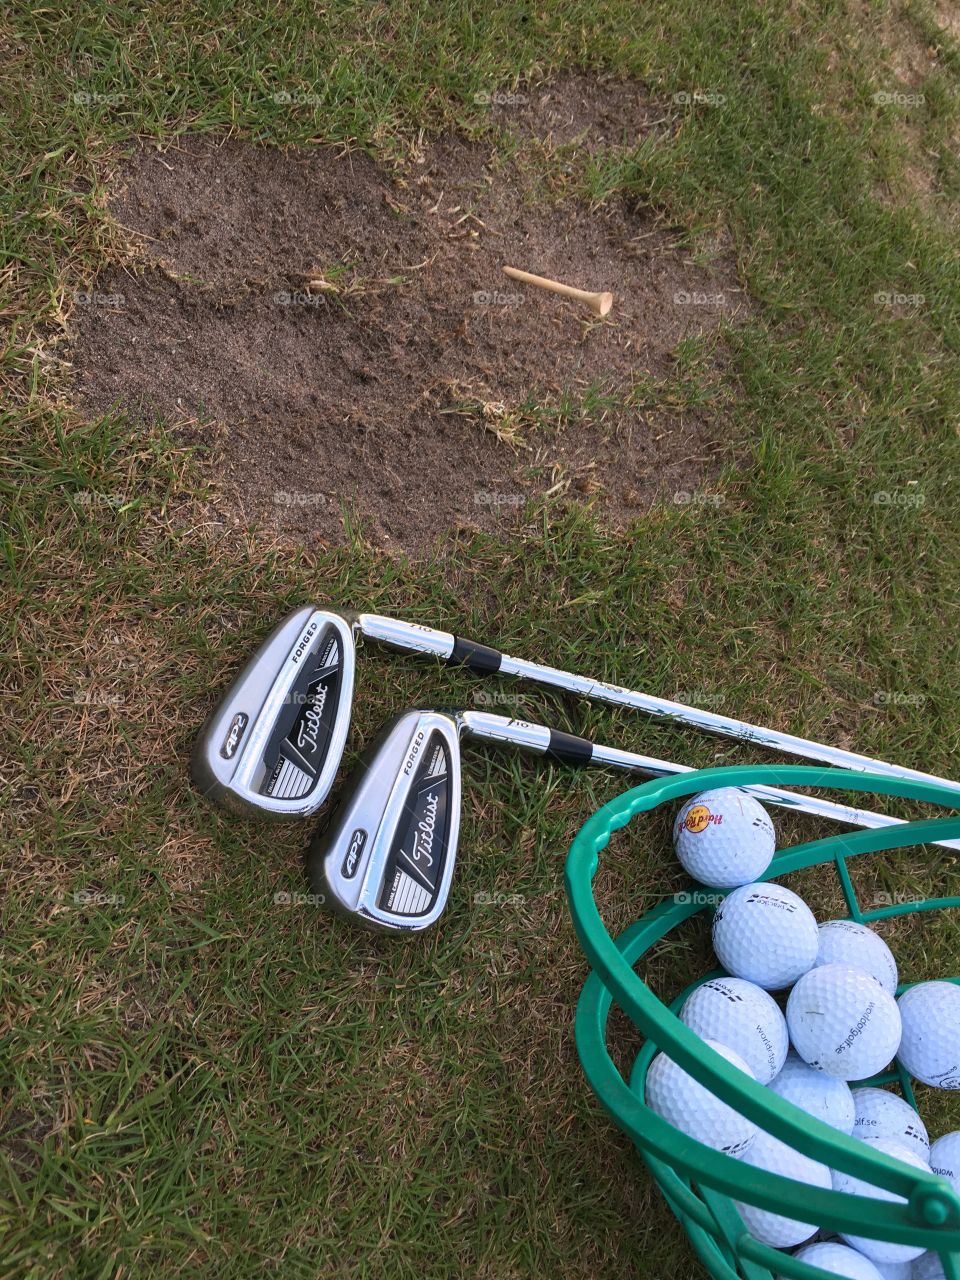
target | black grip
[
  {"x": 475, "y": 657},
  {"x": 569, "y": 749}
]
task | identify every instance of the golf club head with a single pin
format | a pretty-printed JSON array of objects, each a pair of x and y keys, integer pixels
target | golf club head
[
  {"x": 275, "y": 740},
  {"x": 386, "y": 859}
]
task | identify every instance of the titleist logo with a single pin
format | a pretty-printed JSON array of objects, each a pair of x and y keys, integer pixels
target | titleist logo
[
  {"x": 424, "y": 833},
  {"x": 309, "y": 726}
]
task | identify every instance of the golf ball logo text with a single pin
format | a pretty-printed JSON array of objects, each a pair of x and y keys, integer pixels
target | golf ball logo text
[
  {"x": 700, "y": 818},
  {"x": 856, "y": 1030},
  {"x": 769, "y": 901}
]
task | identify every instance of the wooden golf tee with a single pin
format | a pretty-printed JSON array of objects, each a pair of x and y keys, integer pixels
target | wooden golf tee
[{"x": 599, "y": 303}]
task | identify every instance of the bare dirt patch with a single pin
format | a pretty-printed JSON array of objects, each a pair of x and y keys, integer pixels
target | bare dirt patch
[
  {"x": 408, "y": 386},
  {"x": 905, "y": 61},
  {"x": 947, "y": 16},
  {"x": 581, "y": 110}
]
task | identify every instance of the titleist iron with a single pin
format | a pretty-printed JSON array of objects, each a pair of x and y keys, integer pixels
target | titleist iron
[
  {"x": 275, "y": 741},
  {"x": 387, "y": 855}
]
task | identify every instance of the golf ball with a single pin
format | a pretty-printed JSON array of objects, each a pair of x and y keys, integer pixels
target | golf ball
[
  {"x": 929, "y": 1267},
  {"x": 766, "y": 934},
  {"x": 744, "y": 1018},
  {"x": 819, "y": 1095},
  {"x": 945, "y": 1158},
  {"x": 838, "y": 1260},
  {"x": 896, "y": 1270},
  {"x": 773, "y": 1156},
  {"x": 842, "y": 1022},
  {"x": 846, "y": 942},
  {"x": 880, "y": 1251},
  {"x": 692, "y": 1108},
  {"x": 930, "y": 1048},
  {"x": 724, "y": 837},
  {"x": 881, "y": 1114}
]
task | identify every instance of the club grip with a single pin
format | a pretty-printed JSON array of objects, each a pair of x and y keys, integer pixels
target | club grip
[
  {"x": 569, "y": 749},
  {"x": 475, "y": 657}
]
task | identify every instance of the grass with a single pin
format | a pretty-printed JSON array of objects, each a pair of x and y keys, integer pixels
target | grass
[{"x": 202, "y": 1079}]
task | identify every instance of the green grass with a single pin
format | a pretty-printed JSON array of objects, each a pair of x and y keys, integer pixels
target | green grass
[{"x": 202, "y": 1081}]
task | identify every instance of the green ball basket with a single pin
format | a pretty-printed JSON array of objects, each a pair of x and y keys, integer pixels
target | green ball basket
[{"x": 699, "y": 1184}]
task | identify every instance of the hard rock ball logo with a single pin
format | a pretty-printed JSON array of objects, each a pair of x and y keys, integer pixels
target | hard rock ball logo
[{"x": 699, "y": 818}]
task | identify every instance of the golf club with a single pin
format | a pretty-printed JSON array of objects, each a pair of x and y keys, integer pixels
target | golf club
[
  {"x": 274, "y": 743},
  {"x": 387, "y": 855}
]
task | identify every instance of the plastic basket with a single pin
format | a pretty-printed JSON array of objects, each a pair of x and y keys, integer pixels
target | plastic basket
[{"x": 699, "y": 1184}]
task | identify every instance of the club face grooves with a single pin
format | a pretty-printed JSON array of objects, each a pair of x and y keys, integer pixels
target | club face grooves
[
  {"x": 274, "y": 742},
  {"x": 388, "y": 853}
]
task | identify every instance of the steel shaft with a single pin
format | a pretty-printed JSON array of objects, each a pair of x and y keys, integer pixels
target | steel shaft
[{"x": 411, "y": 637}]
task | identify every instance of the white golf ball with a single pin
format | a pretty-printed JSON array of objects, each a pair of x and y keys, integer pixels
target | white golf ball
[
  {"x": 880, "y": 1251},
  {"x": 724, "y": 837},
  {"x": 692, "y": 1108},
  {"x": 773, "y": 1156},
  {"x": 881, "y": 1114},
  {"x": 896, "y": 1270},
  {"x": 930, "y": 1049},
  {"x": 838, "y": 1260},
  {"x": 928, "y": 1267},
  {"x": 744, "y": 1018},
  {"x": 842, "y": 1022},
  {"x": 945, "y": 1158},
  {"x": 766, "y": 934},
  {"x": 846, "y": 942},
  {"x": 828, "y": 1099}
]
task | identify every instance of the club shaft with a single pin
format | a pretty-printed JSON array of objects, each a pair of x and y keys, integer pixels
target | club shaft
[
  {"x": 579, "y": 751},
  {"x": 411, "y": 637}
]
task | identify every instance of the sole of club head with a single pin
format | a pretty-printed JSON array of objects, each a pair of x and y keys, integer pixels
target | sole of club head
[
  {"x": 274, "y": 742},
  {"x": 387, "y": 857}
]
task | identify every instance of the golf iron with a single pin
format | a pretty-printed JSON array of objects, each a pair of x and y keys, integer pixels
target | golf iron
[
  {"x": 387, "y": 856},
  {"x": 274, "y": 742}
]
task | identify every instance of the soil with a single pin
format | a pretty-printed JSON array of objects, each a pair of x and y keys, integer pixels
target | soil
[
  {"x": 400, "y": 391},
  {"x": 583, "y": 112}
]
